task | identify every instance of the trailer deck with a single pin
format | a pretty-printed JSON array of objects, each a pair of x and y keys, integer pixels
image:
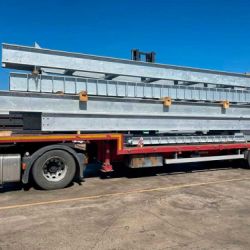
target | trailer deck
[{"x": 122, "y": 149}]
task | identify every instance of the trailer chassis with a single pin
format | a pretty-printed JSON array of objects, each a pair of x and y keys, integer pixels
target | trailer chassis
[{"x": 111, "y": 148}]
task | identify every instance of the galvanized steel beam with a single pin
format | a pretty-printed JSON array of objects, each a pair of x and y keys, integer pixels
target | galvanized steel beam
[
  {"x": 67, "y": 113},
  {"x": 74, "y": 85},
  {"x": 26, "y": 58},
  {"x": 70, "y": 104},
  {"x": 125, "y": 122}
]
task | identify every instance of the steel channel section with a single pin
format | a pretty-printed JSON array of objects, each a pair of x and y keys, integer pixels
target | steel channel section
[
  {"x": 67, "y": 113},
  {"x": 25, "y": 58},
  {"x": 73, "y": 85}
]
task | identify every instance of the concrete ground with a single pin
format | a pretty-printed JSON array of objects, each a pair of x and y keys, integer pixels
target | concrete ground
[{"x": 193, "y": 207}]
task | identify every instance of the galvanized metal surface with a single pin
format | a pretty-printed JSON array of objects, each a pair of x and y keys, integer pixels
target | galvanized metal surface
[
  {"x": 67, "y": 113},
  {"x": 120, "y": 106},
  {"x": 25, "y": 58},
  {"x": 187, "y": 139},
  {"x": 125, "y": 122},
  {"x": 52, "y": 103},
  {"x": 74, "y": 85},
  {"x": 204, "y": 159}
]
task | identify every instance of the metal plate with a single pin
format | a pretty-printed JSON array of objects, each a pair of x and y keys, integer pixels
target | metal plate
[{"x": 143, "y": 161}]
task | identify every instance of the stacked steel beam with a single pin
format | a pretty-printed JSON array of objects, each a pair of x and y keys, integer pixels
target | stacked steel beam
[{"x": 78, "y": 92}]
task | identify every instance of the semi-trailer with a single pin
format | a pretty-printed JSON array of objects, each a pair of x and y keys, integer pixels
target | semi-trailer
[{"x": 63, "y": 110}]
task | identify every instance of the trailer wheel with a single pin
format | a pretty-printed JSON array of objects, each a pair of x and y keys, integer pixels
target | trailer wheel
[
  {"x": 247, "y": 155},
  {"x": 55, "y": 169}
]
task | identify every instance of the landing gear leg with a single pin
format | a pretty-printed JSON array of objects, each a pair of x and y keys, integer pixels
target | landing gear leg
[{"x": 107, "y": 168}]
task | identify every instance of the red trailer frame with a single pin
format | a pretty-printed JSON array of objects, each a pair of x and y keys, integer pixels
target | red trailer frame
[{"x": 119, "y": 141}]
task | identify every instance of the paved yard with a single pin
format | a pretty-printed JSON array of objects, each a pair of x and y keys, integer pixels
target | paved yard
[{"x": 205, "y": 209}]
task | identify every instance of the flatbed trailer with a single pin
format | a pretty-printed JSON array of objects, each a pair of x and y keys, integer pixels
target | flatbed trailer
[
  {"x": 111, "y": 148},
  {"x": 75, "y": 108}
]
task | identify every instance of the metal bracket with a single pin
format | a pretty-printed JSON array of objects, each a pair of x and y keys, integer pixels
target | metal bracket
[
  {"x": 225, "y": 104},
  {"x": 167, "y": 101},
  {"x": 83, "y": 96}
]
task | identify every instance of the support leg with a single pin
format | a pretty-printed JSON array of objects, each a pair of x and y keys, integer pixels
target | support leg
[{"x": 106, "y": 166}]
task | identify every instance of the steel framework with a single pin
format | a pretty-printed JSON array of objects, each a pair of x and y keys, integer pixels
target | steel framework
[
  {"x": 51, "y": 102},
  {"x": 74, "y": 85},
  {"x": 26, "y": 58}
]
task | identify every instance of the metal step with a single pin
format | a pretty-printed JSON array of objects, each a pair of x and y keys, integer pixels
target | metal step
[
  {"x": 187, "y": 139},
  {"x": 27, "y": 58},
  {"x": 73, "y": 85}
]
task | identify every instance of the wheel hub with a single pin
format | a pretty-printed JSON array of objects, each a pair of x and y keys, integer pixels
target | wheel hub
[{"x": 54, "y": 169}]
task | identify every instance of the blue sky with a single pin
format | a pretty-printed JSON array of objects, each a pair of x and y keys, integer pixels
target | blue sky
[{"x": 198, "y": 33}]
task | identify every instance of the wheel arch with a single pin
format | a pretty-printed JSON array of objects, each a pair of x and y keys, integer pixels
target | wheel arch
[{"x": 30, "y": 160}]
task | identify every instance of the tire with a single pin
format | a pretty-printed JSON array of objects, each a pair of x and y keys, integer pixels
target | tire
[
  {"x": 55, "y": 169},
  {"x": 247, "y": 162}
]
